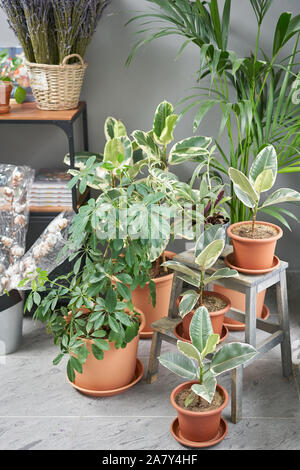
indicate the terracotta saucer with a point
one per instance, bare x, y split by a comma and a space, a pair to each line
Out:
179, 335
146, 334
222, 432
234, 325
139, 372
229, 260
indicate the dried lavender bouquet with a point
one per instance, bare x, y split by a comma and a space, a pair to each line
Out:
49, 30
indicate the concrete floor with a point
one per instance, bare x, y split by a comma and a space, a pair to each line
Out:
40, 410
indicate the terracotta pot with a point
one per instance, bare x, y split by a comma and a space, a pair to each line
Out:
198, 426
254, 254
5, 92
114, 371
238, 299
217, 318
141, 299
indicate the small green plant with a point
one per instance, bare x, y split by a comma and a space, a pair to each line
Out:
209, 247
262, 177
7, 69
192, 362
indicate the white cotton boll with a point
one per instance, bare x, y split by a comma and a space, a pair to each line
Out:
17, 251
51, 238
14, 281
20, 208
17, 177
28, 262
20, 220
8, 192
7, 242
2, 268
62, 223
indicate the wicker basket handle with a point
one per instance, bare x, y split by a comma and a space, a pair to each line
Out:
71, 56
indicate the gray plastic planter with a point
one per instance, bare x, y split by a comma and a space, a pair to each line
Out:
11, 322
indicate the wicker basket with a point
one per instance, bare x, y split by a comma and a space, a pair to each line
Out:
57, 87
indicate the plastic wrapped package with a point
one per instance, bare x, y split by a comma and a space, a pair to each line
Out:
15, 184
45, 254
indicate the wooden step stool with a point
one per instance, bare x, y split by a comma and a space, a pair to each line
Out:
250, 286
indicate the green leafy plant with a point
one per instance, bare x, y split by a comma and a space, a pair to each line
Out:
155, 142
96, 309
7, 68
208, 249
194, 361
262, 177
262, 110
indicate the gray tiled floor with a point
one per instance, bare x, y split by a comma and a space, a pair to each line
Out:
39, 409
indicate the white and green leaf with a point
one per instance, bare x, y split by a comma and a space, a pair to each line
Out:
188, 302
243, 188
200, 328
210, 254
179, 364
207, 390
231, 356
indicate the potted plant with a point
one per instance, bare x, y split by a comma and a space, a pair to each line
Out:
7, 84
148, 150
254, 242
200, 401
54, 35
208, 249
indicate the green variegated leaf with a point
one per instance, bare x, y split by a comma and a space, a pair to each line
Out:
214, 232
82, 157
281, 196
181, 268
243, 188
167, 134
265, 160
158, 246
114, 128
146, 142
188, 302
264, 181
189, 350
221, 274
114, 149
189, 280
179, 364
211, 344
200, 328
231, 356
189, 149
210, 254
207, 390
163, 111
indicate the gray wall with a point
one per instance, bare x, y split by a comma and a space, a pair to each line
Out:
132, 94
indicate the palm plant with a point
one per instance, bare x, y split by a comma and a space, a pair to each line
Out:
262, 110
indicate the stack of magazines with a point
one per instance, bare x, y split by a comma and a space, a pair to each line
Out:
49, 192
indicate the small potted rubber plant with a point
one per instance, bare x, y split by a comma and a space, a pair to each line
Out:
200, 401
208, 249
255, 241
7, 84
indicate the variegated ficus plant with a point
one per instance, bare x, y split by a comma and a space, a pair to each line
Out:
209, 247
192, 361
262, 177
